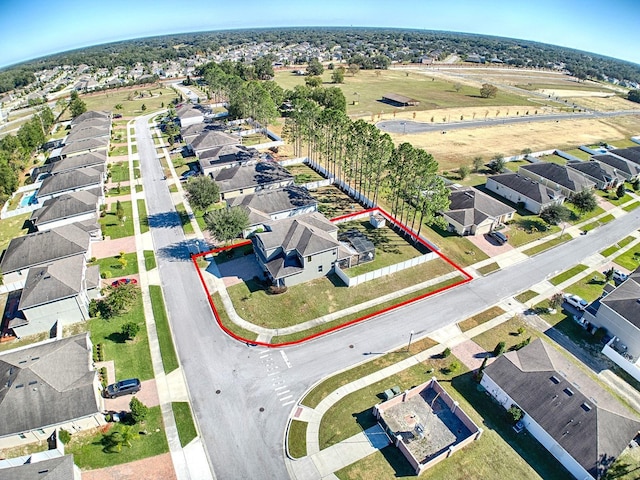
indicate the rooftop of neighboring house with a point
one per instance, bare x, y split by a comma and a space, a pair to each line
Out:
632, 154
573, 409
469, 206
47, 384
85, 145
264, 203
621, 164
188, 111
213, 138
89, 159
53, 281
66, 206
90, 115
226, 154
77, 133
251, 175
625, 299
70, 180
527, 187
597, 170
568, 178
55, 468
42, 247
190, 132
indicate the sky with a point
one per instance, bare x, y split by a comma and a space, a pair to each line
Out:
34, 28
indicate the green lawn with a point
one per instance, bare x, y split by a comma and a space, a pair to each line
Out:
112, 227
184, 219
614, 248
226, 321
630, 259
612, 198
11, 228
487, 269
149, 260
563, 277
132, 357
576, 152
458, 249
94, 449
117, 191
297, 439
130, 101
142, 215
332, 202
480, 318
119, 172
303, 174
431, 92
631, 206
505, 332
23, 341
165, 338
554, 159
528, 228
390, 247
547, 245
525, 296
184, 422
515, 165
254, 304
118, 151
111, 264
353, 413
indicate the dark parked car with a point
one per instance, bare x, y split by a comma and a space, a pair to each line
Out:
123, 387
499, 237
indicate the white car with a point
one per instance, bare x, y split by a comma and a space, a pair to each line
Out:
619, 276
576, 301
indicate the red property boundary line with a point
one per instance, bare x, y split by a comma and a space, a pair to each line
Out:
406, 230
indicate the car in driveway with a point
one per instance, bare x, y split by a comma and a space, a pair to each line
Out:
619, 276
188, 174
576, 302
499, 237
123, 387
123, 281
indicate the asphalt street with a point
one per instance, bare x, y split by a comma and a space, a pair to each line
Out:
242, 396
409, 127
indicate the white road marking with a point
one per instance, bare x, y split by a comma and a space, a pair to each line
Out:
280, 388
284, 357
274, 373
288, 403
285, 398
282, 393
265, 355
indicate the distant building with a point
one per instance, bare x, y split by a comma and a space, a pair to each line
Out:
472, 212
399, 100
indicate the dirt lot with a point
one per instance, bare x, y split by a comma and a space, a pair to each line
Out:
459, 147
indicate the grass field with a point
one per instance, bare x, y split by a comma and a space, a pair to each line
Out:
112, 227
480, 318
332, 202
142, 215
303, 174
630, 259
564, 276
297, 439
505, 332
165, 339
109, 99
114, 267
149, 260
11, 228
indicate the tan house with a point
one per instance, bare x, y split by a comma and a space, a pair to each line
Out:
251, 178
472, 212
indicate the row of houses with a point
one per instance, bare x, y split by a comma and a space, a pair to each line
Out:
537, 186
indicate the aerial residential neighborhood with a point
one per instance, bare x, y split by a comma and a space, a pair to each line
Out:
355, 256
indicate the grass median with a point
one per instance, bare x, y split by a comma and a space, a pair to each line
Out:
165, 339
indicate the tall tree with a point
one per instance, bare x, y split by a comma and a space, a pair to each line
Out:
253, 100
488, 91
228, 223
584, 201
337, 76
315, 67
202, 192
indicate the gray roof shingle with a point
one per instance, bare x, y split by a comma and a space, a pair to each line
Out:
264, 203
621, 164
469, 206
71, 180
91, 115
46, 385
625, 299
251, 175
85, 145
89, 159
53, 281
58, 468
42, 247
597, 170
212, 138
632, 154
573, 409
569, 178
527, 187
66, 206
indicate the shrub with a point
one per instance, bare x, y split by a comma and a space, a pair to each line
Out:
599, 334
500, 348
273, 290
94, 309
64, 436
130, 330
522, 344
106, 274
521, 330
138, 409
514, 413
446, 352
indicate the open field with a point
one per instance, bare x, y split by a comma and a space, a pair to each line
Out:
432, 92
604, 104
107, 100
11, 228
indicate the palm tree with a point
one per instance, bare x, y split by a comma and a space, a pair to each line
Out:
125, 435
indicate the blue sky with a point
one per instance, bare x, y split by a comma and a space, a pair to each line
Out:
33, 28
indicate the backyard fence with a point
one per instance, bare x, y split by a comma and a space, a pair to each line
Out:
388, 270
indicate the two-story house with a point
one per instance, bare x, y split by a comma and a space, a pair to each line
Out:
472, 212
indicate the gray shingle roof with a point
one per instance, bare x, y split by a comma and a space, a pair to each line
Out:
597, 170
578, 413
81, 132
66, 206
632, 154
264, 203
85, 145
42, 247
58, 468
625, 299
91, 115
188, 111
88, 159
70, 180
527, 187
306, 234
469, 206
46, 385
93, 122
217, 157
212, 138
190, 132
251, 175
568, 178
621, 164
53, 281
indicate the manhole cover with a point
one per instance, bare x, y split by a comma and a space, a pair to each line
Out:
350, 346
218, 392
262, 409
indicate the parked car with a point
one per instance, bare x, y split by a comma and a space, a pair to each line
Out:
499, 237
576, 302
619, 276
188, 174
123, 281
123, 387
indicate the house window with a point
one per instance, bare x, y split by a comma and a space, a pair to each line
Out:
22, 436
41, 431
309, 258
320, 268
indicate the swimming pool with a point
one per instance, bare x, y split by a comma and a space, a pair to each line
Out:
29, 199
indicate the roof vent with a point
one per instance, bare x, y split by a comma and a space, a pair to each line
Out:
35, 358
568, 391
586, 407
554, 379
33, 382
20, 385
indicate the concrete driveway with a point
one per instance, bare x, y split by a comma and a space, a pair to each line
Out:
148, 395
240, 269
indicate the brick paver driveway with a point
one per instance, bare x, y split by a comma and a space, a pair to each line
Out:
148, 395
159, 467
111, 248
488, 245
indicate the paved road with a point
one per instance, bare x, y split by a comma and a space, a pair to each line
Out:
409, 127
241, 395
